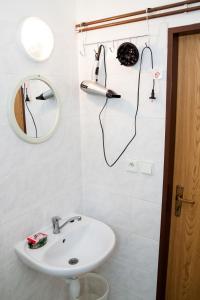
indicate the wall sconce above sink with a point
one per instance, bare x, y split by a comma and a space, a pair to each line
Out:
36, 38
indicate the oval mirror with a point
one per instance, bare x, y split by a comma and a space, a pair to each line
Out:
34, 110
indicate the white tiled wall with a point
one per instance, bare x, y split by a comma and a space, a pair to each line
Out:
36, 181
129, 202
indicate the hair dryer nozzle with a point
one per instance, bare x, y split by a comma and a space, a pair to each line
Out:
46, 95
111, 94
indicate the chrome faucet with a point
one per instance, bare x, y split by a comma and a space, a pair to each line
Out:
57, 227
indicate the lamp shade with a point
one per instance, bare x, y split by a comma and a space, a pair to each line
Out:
36, 38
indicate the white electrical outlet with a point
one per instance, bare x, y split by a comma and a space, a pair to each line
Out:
132, 166
145, 167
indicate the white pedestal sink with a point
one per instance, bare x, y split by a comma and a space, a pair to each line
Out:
81, 247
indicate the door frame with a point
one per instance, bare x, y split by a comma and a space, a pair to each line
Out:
171, 101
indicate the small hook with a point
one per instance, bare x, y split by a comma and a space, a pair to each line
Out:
112, 49
82, 52
98, 45
96, 50
135, 41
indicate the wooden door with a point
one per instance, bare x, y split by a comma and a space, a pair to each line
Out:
183, 275
20, 110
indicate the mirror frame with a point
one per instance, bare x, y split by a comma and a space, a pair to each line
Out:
12, 119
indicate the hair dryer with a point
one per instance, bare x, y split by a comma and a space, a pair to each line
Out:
46, 95
92, 87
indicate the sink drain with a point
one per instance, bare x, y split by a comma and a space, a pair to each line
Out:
73, 261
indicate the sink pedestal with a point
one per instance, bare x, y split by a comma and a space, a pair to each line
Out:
74, 288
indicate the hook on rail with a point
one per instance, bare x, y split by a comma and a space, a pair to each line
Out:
112, 49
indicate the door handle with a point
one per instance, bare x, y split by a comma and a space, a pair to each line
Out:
180, 200
186, 201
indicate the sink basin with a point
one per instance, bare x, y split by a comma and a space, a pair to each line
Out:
81, 247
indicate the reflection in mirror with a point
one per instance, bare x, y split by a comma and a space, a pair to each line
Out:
36, 108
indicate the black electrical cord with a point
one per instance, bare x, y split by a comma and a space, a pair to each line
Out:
27, 99
137, 107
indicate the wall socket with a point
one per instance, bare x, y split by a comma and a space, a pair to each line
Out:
144, 167
132, 166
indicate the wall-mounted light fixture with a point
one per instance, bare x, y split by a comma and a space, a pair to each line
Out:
36, 38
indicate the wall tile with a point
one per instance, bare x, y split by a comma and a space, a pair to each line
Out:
145, 219
52, 178
129, 202
37, 181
